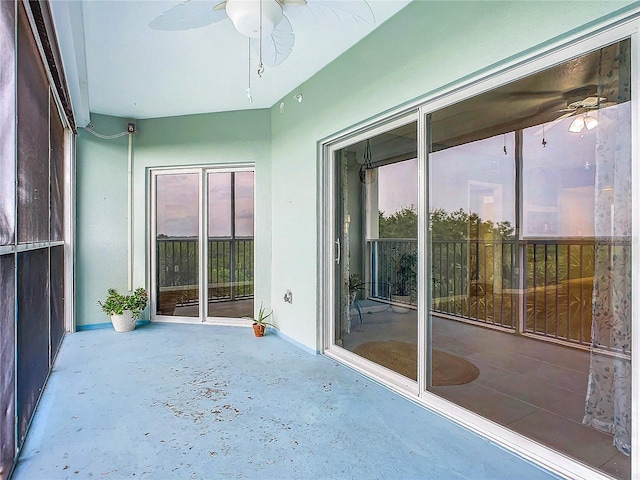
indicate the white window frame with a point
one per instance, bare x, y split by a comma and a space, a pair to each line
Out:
203, 227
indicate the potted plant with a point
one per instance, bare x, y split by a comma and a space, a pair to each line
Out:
354, 286
260, 323
404, 282
124, 310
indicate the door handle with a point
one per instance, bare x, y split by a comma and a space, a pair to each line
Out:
337, 259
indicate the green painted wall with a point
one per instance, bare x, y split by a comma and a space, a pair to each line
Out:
101, 218
208, 139
428, 47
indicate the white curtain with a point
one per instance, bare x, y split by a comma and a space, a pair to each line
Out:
608, 400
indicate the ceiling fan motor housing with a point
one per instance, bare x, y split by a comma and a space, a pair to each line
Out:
245, 15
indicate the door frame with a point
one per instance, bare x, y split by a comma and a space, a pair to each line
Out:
329, 269
203, 227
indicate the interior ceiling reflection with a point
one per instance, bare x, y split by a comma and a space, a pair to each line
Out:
538, 99
393, 146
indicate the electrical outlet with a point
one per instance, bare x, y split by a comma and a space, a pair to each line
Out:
288, 296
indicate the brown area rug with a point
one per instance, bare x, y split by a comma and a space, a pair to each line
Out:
402, 357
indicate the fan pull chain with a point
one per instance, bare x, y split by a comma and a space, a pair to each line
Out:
249, 96
544, 142
504, 143
260, 65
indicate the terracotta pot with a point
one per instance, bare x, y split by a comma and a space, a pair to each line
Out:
258, 330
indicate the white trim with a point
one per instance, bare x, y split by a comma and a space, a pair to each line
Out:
203, 194
203, 257
424, 260
70, 230
130, 213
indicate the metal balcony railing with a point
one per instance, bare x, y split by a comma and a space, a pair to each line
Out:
479, 280
229, 269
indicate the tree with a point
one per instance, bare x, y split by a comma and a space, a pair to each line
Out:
402, 224
456, 225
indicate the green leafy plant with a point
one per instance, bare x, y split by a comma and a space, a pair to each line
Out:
262, 317
116, 303
355, 284
404, 281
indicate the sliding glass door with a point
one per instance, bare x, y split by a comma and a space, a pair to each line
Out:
524, 258
178, 244
203, 249
376, 249
230, 244
530, 207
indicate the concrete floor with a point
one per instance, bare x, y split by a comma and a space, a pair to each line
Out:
202, 402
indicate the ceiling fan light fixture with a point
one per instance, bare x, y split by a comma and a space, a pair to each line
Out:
590, 122
577, 125
245, 16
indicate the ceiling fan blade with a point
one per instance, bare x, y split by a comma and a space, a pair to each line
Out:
563, 116
292, 3
549, 126
344, 11
277, 46
188, 15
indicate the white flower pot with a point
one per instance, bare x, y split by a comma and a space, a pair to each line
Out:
124, 322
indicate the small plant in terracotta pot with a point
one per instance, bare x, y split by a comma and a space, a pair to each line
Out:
260, 323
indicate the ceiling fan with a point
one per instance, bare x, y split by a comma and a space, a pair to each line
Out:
580, 101
251, 17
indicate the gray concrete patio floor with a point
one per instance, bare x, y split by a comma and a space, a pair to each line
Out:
207, 402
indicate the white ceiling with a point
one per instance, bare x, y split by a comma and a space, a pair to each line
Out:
134, 71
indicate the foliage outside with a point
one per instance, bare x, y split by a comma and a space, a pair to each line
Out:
116, 303
178, 267
456, 225
474, 272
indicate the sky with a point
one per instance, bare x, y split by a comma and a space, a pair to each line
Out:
559, 188
177, 204
397, 186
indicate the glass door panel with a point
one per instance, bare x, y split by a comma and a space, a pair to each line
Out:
376, 277
530, 217
177, 244
230, 244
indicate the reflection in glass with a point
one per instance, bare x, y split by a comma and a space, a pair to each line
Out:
230, 244
377, 276
177, 224
472, 229
530, 225
220, 205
